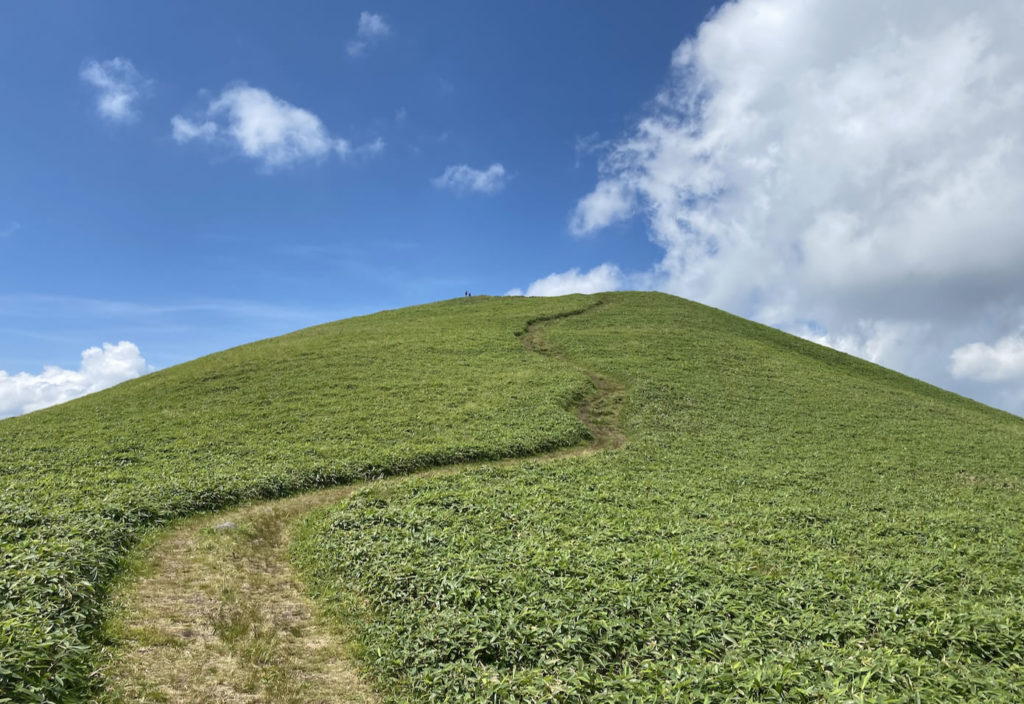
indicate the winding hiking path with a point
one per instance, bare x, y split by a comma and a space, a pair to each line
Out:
213, 612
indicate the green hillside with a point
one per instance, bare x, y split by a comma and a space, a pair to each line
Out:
785, 522
388, 393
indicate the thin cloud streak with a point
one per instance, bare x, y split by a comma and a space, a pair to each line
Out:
30, 305
462, 178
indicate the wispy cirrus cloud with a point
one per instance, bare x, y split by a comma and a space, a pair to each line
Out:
100, 368
185, 130
370, 149
371, 29
266, 128
462, 178
119, 86
36, 305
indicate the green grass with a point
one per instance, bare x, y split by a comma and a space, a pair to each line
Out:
393, 392
786, 523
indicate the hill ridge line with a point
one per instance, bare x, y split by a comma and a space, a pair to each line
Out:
212, 611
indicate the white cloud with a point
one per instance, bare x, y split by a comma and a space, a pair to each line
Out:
119, 84
874, 340
265, 128
373, 148
463, 179
185, 130
372, 28
273, 130
589, 144
9, 230
100, 368
854, 164
605, 277
608, 203
1002, 361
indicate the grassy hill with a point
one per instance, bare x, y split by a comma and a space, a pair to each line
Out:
784, 523
82, 482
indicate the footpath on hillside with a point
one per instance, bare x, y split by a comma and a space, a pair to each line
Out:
212, 611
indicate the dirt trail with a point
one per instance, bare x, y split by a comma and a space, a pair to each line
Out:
215, 612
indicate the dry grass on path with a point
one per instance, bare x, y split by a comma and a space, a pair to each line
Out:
217, 615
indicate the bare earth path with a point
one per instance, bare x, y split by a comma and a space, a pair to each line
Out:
213, 612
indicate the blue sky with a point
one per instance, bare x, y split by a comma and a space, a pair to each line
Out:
188, 177
119, 232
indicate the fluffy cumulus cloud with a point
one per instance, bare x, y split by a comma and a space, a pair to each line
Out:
605, 277
100, 368
1002, 361
372, 29
465, 179
848, 171
119, 86
608, 203
266, 128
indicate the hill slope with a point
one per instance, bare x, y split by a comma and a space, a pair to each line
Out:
392, 392
785, 523
784, 520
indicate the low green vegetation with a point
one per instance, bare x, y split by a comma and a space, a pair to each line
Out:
389, 393
785, 523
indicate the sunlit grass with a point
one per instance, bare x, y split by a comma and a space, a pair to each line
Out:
372, 396
786, 523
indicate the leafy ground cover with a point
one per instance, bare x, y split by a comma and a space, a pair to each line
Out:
212, 610
389, 393
785, 523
